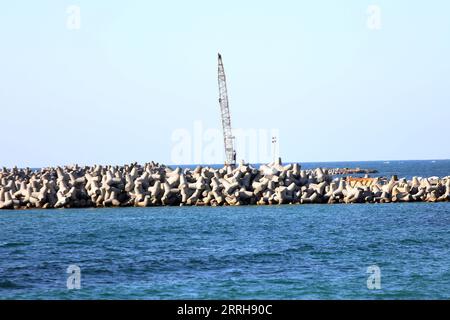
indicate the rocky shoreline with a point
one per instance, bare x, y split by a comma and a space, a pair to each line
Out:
153, 184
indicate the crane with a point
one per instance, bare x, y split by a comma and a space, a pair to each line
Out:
230, 153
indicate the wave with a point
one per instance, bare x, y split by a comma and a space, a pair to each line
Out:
13, 244
8, 284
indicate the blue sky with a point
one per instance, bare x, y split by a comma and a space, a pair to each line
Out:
115, 90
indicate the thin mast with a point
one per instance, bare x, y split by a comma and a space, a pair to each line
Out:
230, 154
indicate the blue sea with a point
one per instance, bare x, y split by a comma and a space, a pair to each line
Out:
249, 252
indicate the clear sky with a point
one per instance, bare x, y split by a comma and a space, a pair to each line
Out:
137, 74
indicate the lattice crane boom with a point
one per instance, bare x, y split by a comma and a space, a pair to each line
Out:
230, 154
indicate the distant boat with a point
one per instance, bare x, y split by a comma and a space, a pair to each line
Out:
387, 162
433, 161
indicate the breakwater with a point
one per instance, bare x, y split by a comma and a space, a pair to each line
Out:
153, 184
337, 171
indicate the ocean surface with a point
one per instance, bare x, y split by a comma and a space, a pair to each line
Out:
250, 252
